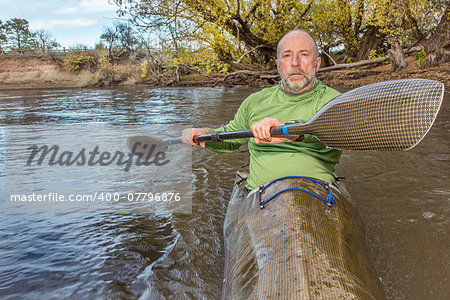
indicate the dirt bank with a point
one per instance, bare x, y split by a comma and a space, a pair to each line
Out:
23, 72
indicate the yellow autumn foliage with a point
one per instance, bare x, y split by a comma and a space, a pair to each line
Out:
248, 30
77, 60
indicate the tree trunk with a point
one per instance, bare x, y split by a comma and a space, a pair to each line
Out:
246, 35
397, 57
437, 47
237, 27
226, 57
372, 40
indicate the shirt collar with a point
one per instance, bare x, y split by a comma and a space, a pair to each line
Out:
281, 87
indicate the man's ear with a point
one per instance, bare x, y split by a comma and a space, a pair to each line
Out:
276, 62
319, 60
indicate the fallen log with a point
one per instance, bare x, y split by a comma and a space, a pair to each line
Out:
367, 61
269, 75
261, 74
356, 64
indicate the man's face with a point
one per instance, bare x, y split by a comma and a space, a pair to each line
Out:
297, 62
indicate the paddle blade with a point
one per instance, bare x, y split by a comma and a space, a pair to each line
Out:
386, 116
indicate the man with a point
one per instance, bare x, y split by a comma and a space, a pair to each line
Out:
299, 96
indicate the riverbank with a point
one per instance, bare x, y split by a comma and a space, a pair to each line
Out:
32, 72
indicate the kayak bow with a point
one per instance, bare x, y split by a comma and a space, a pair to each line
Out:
297, 247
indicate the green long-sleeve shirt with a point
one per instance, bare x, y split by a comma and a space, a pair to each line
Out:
309, 157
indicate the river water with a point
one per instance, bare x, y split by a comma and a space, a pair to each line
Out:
403, 199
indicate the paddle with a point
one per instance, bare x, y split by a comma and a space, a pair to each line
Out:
386, 116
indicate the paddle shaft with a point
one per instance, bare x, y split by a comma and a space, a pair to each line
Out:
241, 134
223, 136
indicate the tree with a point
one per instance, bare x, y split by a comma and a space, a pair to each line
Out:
44, 40
435, 35
349, 23
18, 33
126, 37
412, 22
358, 35
253, 27
120, 37
109, 36
3, 37
232, 28
248, 30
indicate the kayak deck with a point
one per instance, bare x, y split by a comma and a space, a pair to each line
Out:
296, 247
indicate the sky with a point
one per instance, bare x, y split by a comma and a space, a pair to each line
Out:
71, 22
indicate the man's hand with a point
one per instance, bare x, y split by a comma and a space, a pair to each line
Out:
261, 131
187, 136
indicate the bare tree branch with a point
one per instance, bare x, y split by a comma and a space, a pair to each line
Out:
329, 56
248, 52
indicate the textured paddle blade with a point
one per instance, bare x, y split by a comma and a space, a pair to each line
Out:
386, 116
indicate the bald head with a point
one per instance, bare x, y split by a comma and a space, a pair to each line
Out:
298, 33
297, 61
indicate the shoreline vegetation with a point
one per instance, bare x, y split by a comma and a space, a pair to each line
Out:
230, 43
88, 68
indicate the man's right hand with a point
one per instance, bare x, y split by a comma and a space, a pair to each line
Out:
187, 136
261, 132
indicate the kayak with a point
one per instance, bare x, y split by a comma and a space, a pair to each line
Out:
296, 238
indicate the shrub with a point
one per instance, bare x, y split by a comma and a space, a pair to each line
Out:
204, 61
420, 56
373, 54
92, 80
144, 69
104, 62
77, 60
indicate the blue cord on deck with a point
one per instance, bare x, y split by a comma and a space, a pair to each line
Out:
330, 200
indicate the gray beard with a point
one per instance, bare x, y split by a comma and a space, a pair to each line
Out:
297, 87
307, 80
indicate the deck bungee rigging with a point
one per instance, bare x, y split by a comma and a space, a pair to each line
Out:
330, 200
